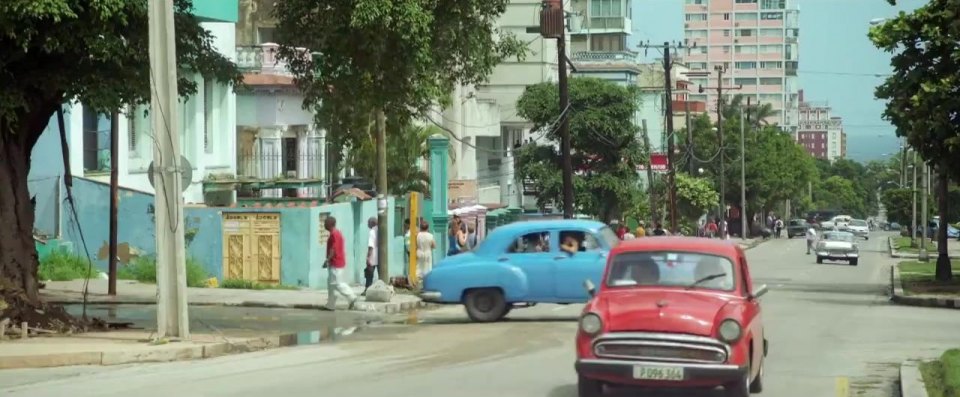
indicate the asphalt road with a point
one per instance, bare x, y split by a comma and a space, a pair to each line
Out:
831, 328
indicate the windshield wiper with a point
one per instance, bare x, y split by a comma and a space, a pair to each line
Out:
705, 279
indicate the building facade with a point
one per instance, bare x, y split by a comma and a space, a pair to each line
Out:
207, 121
819, 132
755, 43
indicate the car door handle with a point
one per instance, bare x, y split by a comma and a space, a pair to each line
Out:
503, 259
559, 257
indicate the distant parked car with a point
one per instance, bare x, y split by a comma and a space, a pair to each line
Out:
673, 313
892, 226
797, 227
859, 228
522, 263
838, 246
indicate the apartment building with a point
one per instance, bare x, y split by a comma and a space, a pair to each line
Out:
755, 43
820, 132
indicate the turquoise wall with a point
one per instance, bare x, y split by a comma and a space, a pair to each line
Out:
217, 10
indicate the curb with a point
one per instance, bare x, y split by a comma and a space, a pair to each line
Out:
151, 356
897, 295
388, 308
902, 255
911, 381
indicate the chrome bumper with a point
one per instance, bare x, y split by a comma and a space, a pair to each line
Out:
430, 296
605, 368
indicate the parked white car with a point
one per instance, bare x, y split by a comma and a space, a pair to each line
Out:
839, 221
859, 228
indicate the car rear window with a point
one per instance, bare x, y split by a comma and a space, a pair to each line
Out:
671, 269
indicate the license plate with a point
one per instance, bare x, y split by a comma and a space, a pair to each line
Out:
657, 373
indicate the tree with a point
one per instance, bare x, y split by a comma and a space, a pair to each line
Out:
695, 197
606, 150
899, 206
838, 192
55, 51
921, 94
407, 146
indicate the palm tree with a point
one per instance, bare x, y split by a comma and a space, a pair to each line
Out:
759, 113
406, 147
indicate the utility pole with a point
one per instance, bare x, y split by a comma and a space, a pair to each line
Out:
924, 256
743, 176
671, 169
686, 110
383, 231
114, 198
723, 188
913, 222
172, 318
553, 25
646, 144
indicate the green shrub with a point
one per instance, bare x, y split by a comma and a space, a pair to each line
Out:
144, 270
63, 265
234, 283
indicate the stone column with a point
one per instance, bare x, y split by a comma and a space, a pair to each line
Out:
308, 160
439, 145
271, 157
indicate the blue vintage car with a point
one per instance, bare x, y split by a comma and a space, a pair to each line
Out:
523, 263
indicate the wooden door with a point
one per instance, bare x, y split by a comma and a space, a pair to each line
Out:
251, 246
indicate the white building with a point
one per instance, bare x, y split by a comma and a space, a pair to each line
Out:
206, 122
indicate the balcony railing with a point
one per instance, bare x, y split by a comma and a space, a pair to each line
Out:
263, 59
607, 23
605, 56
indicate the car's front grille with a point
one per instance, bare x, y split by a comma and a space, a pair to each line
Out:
661, 347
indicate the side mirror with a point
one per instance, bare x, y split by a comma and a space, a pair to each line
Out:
759, 291
591, 289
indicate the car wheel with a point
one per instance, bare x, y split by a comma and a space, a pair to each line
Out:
740, 388
819, 260
853, 262
587, 387
485, 305
757, 385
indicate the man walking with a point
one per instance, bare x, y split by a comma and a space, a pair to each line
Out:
371, 254
811, 238
335, 264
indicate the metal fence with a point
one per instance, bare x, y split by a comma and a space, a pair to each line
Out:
270, 166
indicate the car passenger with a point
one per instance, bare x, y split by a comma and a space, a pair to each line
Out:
569, 243
646, 272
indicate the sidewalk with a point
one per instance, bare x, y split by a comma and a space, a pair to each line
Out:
953, 250
132, 292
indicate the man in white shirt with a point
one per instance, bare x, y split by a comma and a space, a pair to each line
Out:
811, 237
372, 263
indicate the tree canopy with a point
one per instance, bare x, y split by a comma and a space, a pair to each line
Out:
407, 146
695, 197
56, 51
604, 139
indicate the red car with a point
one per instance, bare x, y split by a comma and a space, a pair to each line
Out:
673, 312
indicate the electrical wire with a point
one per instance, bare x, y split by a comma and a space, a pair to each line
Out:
555, 126
174, 223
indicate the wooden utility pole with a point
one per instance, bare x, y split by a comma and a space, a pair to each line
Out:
654, 214
114, 198
671, 169
383, 229
743, 174
553, 25
722, 177
172, 318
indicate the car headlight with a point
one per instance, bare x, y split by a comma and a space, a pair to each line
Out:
591, 324
729, 331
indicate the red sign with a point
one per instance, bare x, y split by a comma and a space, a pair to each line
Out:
658, 163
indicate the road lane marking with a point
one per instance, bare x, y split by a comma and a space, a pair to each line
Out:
843, 387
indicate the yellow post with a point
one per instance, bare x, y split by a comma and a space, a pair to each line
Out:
414, 228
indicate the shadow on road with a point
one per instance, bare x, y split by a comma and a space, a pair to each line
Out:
571, 391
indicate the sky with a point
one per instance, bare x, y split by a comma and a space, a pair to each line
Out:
837, 61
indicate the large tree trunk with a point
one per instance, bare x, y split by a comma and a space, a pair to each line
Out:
19, 287
944, 271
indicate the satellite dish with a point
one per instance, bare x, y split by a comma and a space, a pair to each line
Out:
186, 175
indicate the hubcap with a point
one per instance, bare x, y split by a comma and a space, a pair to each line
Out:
485, 302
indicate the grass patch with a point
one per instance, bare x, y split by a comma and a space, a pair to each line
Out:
902, 244
942, 377
63, 265
144, 270
917, 279
234, 283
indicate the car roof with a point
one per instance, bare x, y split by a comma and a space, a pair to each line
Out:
522, 226
695, 244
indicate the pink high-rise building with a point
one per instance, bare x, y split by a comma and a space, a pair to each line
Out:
755, 42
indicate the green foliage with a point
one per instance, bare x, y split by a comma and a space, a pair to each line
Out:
144, 270
838, 192
695, 196
606, 151
899, 206
63, 265
401, 57
407, 146
234, 283
942, 377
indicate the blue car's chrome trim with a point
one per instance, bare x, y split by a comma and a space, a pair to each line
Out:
430, 296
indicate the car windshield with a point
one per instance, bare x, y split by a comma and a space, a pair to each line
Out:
797, 222
607, 234
671, 269
858, 222
839, 236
